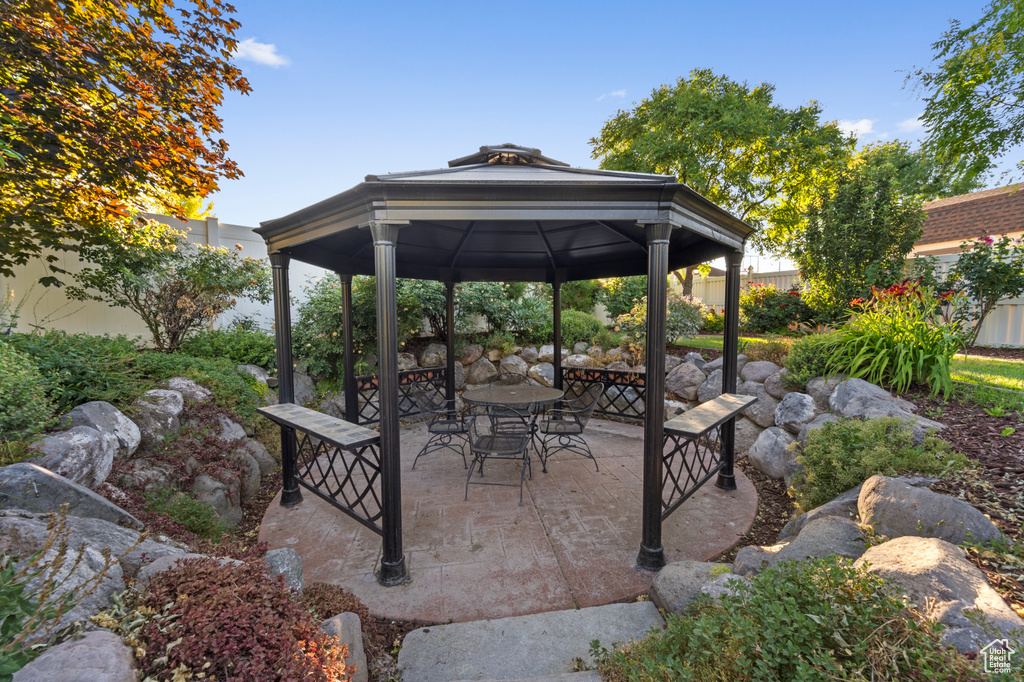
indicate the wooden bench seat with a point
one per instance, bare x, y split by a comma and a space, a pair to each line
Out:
695, 423
338, 432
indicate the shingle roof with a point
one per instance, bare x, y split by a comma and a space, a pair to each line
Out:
979, 214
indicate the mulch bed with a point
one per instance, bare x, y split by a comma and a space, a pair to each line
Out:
1001, 353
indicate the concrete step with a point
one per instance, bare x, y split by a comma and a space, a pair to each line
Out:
539, 648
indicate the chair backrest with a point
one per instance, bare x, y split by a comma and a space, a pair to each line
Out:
497, 429
585, 404
508, 379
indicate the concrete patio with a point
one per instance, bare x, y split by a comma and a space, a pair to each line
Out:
572, 544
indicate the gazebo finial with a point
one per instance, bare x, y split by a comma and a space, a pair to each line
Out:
507, 154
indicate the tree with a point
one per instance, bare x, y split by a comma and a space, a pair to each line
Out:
732, 144
917, 172
175, 291
103, 106
857, 235
988, 271
974, 111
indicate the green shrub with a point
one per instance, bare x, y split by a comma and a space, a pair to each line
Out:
530, 320
898, 338
607, 339
684, 315
238, 344
25, 408
763, 308
580, 295
619, 294
503, 341
841, 455
771, 348
490, 300
578, 326
195, 516
712, 322
820, 619
809, 357
80, 368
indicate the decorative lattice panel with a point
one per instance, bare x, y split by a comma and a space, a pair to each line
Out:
368, 390
348, 479
688, 463
625, 392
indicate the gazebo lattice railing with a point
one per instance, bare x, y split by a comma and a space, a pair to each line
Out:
505, 213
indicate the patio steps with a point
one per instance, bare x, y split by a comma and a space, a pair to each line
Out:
542, 647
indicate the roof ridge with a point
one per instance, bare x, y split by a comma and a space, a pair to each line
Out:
972, 196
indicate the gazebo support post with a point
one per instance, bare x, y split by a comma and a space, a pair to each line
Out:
392, 563
290, 493
449, 312
730, 349
556, 315
349, 381
652, 554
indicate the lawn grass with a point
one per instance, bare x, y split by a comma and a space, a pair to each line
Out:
988, 372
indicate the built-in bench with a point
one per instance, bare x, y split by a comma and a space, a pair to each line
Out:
336, 460
692, 456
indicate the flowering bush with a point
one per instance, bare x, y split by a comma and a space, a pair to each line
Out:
685, 314
902, 335
988, 271
763, 308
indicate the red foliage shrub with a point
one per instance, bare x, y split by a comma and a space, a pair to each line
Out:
233, 623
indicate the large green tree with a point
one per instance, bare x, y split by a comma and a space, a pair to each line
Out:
104, 105
974, 91
732, 143
917, 172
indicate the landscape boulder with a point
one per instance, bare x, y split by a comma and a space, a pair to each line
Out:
723, 585
719, 363
434, 355
264, 459
761, 412
580, 347
815, 424
349, 631
895, 509
547, 353
99, 656
747, 433
770, 453
32, 488
106, 418
156, 414
678, 584
820, 538
460, 376
758, 371
305, 389
684, 381
945, 586
529, 354
480, 372
406, 361
795, 410
711, 388
671, 362
286, 562
473, 352
223, 493
81, 454
147, 474
821, 388
543, 374
494, 355
579, 360
189, 389
513, 364
254, 371
778, 387
843, 506
695, 359
166, 563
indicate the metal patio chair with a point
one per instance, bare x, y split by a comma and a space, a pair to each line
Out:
497, 432
444, 424
508, 379
562, 426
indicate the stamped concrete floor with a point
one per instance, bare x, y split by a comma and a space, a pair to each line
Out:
572, 544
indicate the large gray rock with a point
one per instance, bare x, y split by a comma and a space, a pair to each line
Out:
671, 362
349, 631
684, 380
821, 388
264, 459
547, 353
711, 388
473, 352
761, 412
944, 585
333, 404
815, 424
770, 453
493, 649
795, 410
480, 372
32, 488
223, 495
513, 364
250, 473
148, 475
758, 371
287, 562
777, 386
696, 359
100, 656
254, 371
156, 413
543, 374
819, 538
843, 506
747, 433
229, 430
305, 389
723, 585
406, 361
23, 534
434, 355
460, 376
81, 454
166, 563
678, 584
674, 408
530, 354
579, 360
106, 418
853, 391
718, 363
189, 389
618, 366
896, 508
580, 347
494, 355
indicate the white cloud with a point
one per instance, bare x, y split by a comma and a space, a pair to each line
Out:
865, 126
911, 125
261, 53
614, 93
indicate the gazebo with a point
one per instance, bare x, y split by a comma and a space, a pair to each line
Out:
504, 213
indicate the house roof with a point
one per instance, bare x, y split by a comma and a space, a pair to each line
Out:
978, 214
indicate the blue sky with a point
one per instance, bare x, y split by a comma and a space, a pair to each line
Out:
345, 89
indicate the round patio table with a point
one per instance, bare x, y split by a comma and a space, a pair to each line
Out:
522, 397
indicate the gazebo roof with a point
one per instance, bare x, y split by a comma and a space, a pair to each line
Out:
508, 213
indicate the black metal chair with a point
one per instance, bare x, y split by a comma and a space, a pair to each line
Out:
444, 423
562, 426
508, 379
497, 432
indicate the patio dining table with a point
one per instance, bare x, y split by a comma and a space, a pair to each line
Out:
523, 398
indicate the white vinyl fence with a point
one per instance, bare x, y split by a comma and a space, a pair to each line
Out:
1003, 327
